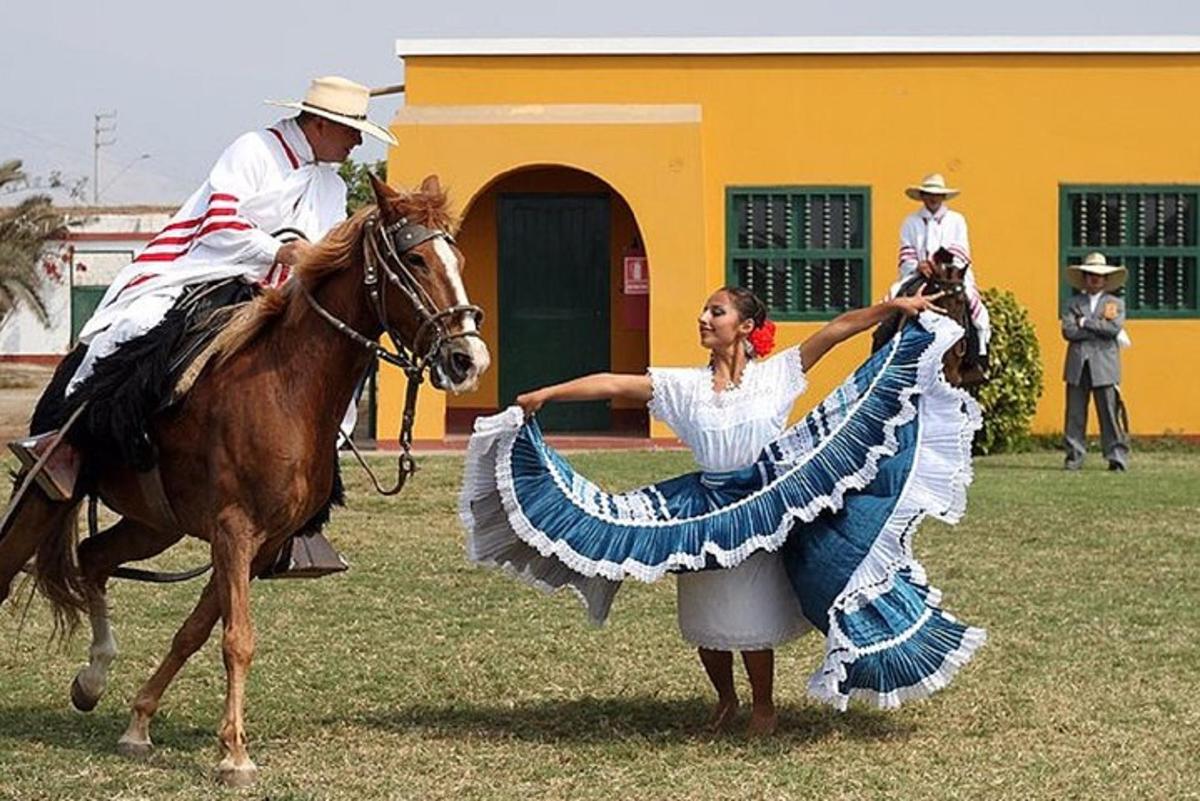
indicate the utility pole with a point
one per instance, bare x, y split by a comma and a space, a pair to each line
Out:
99, 142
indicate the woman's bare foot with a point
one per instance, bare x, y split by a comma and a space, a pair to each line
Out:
723, 715
763, 722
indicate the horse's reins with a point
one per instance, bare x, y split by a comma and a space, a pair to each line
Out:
396, 240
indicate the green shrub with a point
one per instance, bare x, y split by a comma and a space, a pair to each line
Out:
1009, 399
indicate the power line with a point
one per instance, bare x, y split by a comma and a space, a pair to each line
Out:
97, 143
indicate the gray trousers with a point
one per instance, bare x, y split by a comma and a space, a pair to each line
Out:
1114, 439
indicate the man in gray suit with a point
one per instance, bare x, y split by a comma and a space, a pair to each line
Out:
1091, 324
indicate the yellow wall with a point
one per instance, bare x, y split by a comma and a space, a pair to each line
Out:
1008, 129
655, 168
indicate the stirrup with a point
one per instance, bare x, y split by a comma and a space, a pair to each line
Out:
307, 555
60, 469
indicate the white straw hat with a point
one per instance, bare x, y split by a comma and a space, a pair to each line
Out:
340, 100
933, 184
1096, 264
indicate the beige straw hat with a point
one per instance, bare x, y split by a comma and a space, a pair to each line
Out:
1095, 263
933, 184
340, 100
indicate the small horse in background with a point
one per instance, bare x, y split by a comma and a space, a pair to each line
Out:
962, 364
247, 457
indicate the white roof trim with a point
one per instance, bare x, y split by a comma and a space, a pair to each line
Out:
766, 45
558, 114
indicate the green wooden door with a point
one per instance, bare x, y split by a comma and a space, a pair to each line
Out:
84, 300
553, 295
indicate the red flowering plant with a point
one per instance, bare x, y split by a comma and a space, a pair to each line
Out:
762, 338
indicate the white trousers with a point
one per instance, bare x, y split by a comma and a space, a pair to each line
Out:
140, 316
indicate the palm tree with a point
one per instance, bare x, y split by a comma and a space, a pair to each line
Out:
24, 232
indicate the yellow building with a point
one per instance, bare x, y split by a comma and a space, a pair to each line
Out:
781, 163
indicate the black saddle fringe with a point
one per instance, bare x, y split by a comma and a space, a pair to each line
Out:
127, 387
130, 386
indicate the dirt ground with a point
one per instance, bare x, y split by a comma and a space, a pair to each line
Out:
20, 386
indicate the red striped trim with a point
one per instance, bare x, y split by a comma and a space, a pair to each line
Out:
214, 198
234, 225
291, 156
183, 240
271, 280
160, 256
141, 279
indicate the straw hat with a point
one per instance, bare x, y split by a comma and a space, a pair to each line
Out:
342, 101
1096, 264
933, 184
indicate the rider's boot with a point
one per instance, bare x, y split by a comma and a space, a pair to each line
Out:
60, 463
306, 555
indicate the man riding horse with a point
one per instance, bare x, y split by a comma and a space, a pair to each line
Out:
281, 178
933, 228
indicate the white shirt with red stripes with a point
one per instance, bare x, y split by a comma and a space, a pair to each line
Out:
265, 181
923, 233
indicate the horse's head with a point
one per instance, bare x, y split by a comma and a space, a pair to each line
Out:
422, 301
950, 279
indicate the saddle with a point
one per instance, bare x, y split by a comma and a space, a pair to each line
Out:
112, 408
111, 412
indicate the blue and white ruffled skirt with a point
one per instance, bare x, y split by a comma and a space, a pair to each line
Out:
840, 495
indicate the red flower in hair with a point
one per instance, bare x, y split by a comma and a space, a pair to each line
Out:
762, 338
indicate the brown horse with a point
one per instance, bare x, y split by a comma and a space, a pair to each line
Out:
248, 457
959, 364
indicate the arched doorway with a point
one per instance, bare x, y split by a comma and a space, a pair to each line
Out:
545, 248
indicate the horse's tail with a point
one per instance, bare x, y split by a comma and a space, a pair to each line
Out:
35, 525
56, 569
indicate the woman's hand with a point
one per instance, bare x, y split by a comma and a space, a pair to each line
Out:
530, 402
915, 304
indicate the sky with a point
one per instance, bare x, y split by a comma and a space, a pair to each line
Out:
186, 79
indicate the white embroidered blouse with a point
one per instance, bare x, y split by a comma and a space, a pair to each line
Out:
727, 430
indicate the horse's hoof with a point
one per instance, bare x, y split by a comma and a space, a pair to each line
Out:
241, 776
83, 701
131, 749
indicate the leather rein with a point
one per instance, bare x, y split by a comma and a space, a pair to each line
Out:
384, 249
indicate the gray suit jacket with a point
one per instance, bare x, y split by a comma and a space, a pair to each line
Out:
1094, 341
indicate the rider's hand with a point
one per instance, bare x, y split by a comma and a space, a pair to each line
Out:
291, 253
914, 305
530, 402
925, 268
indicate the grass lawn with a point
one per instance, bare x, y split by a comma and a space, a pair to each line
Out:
417, 676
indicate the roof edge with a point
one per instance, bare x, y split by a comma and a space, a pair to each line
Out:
782, 45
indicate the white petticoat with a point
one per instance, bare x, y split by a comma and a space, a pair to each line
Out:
747, 608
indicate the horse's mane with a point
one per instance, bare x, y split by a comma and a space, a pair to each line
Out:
339, 249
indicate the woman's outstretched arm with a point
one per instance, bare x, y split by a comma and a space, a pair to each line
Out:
598, 386
849, 323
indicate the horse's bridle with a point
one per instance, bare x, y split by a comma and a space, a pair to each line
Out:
384, 248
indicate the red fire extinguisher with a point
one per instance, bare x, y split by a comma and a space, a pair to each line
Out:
635, 287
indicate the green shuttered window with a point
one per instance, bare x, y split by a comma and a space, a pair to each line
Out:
1151, 230
803, 250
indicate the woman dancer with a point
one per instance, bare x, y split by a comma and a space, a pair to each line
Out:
729, 413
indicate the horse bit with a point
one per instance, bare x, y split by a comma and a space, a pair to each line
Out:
384, 249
